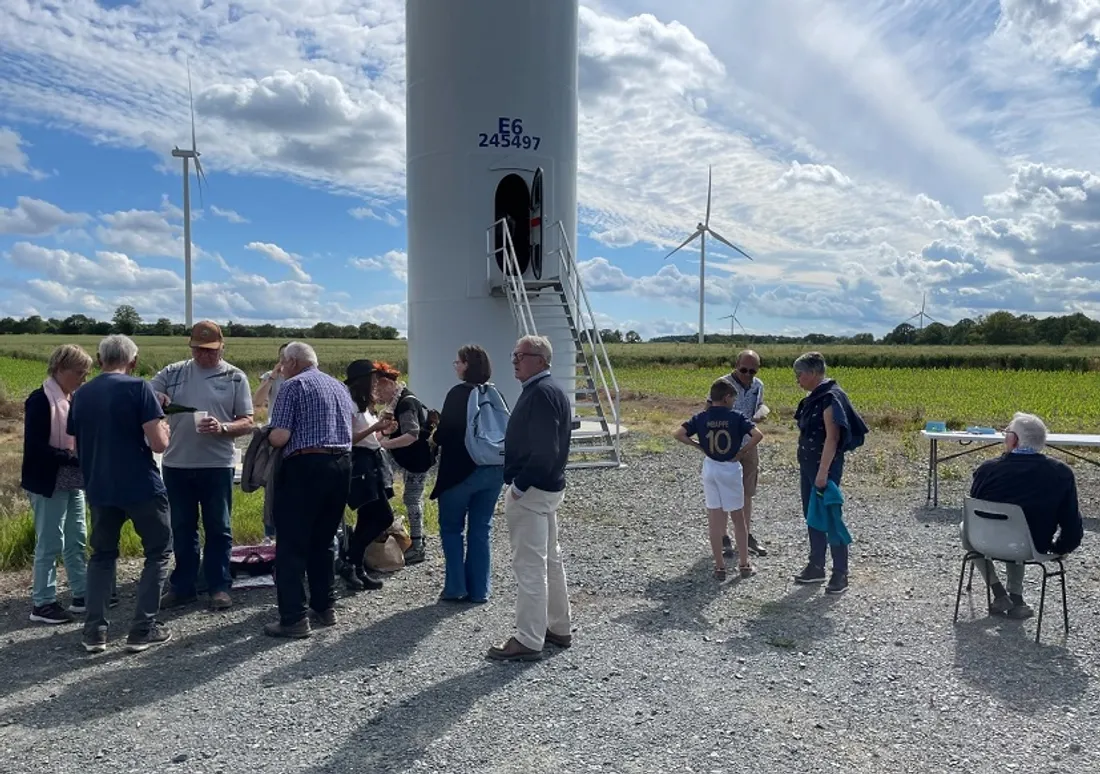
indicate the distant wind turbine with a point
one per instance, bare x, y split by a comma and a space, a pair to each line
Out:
734, 321
921, 316
701, 231
200, 178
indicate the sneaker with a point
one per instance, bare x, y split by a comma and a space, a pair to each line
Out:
52, 613
812, 574
156, 634
755, 548
370, 582
416, 553
1000, 605
347, 572
838, 583
324, 617
727, 547
94, 642
175, 599
296, 631
221, 601
1020, 609
77, 606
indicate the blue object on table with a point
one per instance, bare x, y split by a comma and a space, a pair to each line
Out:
981, 430
935, 427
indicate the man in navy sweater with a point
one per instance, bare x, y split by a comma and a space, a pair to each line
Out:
1046, 491
536, 448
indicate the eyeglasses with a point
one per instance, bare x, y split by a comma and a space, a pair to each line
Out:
747, 371
518, 356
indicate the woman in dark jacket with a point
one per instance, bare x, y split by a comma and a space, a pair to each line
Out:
51, 477
371, 477
466, 492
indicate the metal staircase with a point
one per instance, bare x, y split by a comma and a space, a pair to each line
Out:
547, 307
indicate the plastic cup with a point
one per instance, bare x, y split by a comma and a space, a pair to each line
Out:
199, 416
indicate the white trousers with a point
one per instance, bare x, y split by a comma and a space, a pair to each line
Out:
542, 599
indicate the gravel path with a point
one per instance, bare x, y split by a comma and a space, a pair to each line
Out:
669, 671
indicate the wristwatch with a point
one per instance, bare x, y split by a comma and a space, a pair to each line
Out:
224, 427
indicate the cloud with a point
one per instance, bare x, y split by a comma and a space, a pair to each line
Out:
364, 213
814, 175
34, 217
619, 236
395, 262
12, 156
107, 271
230, 215
142, 232
279, 255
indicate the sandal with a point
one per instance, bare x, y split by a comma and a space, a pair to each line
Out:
747, 571
720, 573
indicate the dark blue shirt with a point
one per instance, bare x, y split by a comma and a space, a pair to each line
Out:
720, 431
106, 418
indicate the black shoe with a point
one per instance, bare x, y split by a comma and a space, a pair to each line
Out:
727, 547
52, 613
347, 572
838, 583
755, 548
156, 634
78, 606
368, 581
95, 642
415, 553
812, 574
114, 600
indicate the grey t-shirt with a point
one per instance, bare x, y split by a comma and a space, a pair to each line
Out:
222, 392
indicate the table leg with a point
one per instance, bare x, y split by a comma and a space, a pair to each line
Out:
935, 473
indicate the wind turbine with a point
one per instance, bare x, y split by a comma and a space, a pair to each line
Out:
701, 231
921, 315
734, 321
200, 177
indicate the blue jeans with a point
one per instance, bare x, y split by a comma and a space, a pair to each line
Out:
210, 489
59, 528
468, 566
819, 540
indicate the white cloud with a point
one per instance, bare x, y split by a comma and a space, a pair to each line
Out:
396, 262
141, 232
231, 215
34, 217
619, 236
365, 213
813, 174
107, 271
279, 255
12, 155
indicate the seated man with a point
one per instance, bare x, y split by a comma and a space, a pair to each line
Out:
1046, 491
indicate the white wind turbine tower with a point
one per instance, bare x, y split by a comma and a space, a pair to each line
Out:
921, 316
734, 321
701, 231
200, 176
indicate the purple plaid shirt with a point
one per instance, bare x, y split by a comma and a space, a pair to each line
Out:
316, 409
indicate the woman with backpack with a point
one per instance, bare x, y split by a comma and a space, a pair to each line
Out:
409, 447
467, 491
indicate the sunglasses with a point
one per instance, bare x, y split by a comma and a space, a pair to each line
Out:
747, 371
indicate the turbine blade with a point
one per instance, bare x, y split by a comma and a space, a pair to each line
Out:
735, 308
728, 243
200, 178
706, 221
684, 243
191, 102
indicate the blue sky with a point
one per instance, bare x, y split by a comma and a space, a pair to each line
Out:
864, 153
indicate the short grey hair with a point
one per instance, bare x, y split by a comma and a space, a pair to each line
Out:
540, 345
1029, 429
116, 351
300, 351
746, 353
810, 363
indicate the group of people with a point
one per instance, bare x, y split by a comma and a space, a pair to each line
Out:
329, 445
326, 449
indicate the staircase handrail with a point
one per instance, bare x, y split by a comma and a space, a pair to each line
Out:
511, 274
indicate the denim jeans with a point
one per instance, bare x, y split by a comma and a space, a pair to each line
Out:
210, 489
469, 506
819, 540
152, 524
59, 528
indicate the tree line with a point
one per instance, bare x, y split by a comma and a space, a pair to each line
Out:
126, 320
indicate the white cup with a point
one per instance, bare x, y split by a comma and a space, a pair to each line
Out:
199, 416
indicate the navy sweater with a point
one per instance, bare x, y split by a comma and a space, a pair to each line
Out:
536, 445
40, 460
1046, 491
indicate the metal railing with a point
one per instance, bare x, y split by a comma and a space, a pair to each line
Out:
516, 291
570, 278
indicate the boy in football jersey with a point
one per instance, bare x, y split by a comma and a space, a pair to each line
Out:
720, 431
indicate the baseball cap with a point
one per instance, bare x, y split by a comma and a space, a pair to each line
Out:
357, 369
206, 335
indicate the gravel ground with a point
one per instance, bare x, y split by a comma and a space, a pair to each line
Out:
669, 671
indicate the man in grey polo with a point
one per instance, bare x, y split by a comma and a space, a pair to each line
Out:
198, 466
749, 400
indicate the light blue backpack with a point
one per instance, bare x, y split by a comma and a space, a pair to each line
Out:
486, 423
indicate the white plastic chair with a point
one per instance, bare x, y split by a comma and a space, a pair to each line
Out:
999, 531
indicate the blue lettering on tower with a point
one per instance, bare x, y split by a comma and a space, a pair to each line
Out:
509, 134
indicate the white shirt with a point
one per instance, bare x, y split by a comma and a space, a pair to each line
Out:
361, 422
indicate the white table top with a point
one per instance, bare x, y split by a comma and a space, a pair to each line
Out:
1053, 439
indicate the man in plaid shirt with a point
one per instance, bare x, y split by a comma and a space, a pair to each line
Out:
311, 423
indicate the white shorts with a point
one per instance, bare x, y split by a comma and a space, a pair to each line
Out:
723, 485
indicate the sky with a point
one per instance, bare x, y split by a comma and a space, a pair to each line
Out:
865, 153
